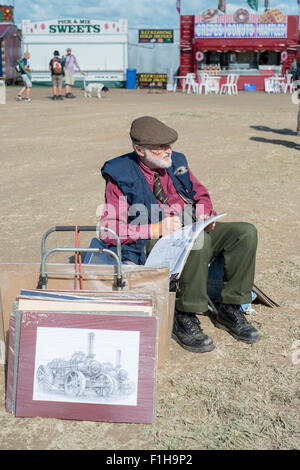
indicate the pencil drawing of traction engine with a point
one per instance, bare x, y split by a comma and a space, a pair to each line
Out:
82, 375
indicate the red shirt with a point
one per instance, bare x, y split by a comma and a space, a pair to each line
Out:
115, 209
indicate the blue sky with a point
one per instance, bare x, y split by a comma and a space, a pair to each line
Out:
140, 13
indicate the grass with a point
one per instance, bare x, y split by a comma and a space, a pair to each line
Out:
231, 408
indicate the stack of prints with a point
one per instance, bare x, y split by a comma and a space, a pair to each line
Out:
83, 356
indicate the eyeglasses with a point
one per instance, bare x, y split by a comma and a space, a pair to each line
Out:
157, 149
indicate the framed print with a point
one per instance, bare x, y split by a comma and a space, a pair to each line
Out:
85, 366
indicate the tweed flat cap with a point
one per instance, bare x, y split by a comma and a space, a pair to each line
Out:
148, 130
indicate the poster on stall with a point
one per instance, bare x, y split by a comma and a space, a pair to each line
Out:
152, 80
241, 24
156, 35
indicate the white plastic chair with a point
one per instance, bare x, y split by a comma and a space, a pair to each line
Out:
214, 85
288, 84
190, 83
231, 85
277, 83
269, 86
234, 84
204, 84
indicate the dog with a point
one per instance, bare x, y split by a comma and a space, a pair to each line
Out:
98, 87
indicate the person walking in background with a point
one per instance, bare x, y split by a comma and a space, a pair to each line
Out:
57, 71
70, 63
25, 71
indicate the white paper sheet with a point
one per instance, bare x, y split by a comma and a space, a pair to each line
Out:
173, 249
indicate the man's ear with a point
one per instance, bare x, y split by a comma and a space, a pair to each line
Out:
139, 150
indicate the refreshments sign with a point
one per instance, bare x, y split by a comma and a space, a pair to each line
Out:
242, 24
156, 35
156, 80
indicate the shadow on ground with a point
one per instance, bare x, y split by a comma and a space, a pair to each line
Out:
276, 131
285, 143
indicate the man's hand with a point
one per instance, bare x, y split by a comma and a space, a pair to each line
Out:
169, 225
210, 227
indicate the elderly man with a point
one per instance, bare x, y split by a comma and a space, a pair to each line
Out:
70, 62
153, 176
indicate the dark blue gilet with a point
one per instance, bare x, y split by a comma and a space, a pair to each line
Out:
125, 171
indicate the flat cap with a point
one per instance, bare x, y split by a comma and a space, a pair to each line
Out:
148, 130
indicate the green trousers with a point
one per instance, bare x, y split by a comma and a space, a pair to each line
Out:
237, 241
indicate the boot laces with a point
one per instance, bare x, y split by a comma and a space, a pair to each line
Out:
193, 324
238, 315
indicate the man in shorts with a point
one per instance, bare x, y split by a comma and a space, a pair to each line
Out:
26, 77
57, 70
70, 63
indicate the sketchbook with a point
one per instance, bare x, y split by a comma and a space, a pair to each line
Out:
172, 250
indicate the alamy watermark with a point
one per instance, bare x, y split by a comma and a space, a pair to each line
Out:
131, 222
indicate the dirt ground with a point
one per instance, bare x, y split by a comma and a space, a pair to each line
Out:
245, 150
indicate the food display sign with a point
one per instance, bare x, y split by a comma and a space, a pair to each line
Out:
6, 13
156, 35
155, 80
241, 24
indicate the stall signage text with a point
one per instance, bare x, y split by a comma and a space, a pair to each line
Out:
74, 26
224, 26
156, 35
157, 80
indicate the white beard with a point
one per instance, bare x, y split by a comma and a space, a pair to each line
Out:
152, 161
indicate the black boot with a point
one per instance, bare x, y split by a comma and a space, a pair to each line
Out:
230, 318
188, 333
